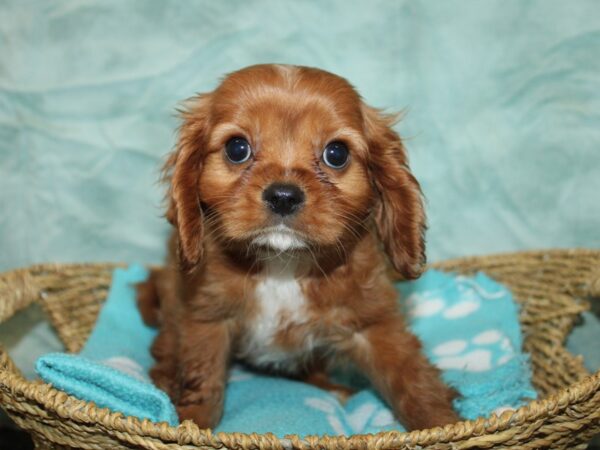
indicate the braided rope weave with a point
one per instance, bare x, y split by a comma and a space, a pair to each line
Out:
553, 288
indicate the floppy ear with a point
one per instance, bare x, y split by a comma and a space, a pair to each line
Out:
399, 214
182, 172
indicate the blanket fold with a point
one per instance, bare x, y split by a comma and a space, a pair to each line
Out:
112, 368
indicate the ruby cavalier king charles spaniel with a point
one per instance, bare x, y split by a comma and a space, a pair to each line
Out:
290, 199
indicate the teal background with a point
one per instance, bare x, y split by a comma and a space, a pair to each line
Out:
502, 102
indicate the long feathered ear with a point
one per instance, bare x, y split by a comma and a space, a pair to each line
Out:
399, 213
182, 172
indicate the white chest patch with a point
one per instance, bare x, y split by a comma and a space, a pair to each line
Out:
280, 303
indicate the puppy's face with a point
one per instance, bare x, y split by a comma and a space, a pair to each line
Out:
285, 164
289, 158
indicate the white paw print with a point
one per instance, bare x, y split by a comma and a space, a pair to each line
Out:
330, 407
450, 348
367, 414
359, 418
468, 304
451, 354
419, 306
429, 303
487, 337
461, 309
384, 418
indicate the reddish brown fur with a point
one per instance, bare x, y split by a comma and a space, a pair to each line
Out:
207, 288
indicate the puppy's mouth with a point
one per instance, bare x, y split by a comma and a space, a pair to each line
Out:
279, 237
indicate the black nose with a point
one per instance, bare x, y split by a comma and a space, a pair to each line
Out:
283, 199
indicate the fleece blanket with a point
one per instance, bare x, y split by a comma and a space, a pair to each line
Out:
469, 328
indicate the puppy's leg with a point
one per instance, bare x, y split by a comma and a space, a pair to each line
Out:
148, 299
160, 305
164, 371
391, 358
203, 363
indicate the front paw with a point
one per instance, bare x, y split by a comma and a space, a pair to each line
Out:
202, 414
164, 379
439, 418
431, 409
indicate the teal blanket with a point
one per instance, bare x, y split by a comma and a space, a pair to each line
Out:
469, 328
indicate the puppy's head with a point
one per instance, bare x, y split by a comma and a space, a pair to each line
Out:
290, 158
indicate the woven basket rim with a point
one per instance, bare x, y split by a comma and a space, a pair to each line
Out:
83, 411
189, 433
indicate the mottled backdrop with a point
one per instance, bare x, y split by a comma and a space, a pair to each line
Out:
502, 102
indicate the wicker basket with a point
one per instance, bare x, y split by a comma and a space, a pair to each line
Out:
552, 287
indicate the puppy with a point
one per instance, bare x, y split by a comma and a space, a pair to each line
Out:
289, 197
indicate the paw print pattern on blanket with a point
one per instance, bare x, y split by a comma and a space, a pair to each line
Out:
461, 310
468, 329
333, 412
487, 349
367, 413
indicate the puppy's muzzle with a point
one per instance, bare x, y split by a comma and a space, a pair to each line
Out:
283, 199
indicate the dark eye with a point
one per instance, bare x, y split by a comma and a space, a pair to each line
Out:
238, 150
335, 155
